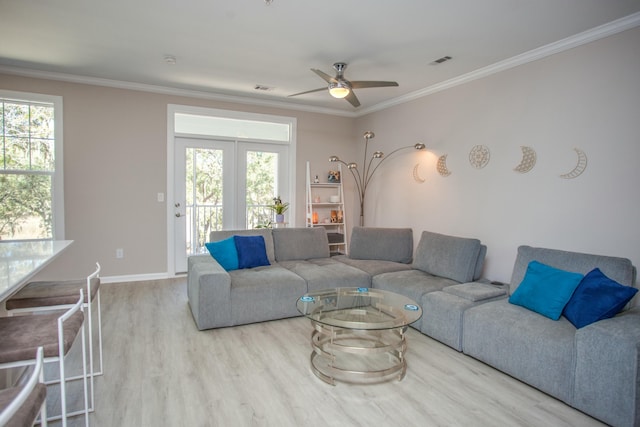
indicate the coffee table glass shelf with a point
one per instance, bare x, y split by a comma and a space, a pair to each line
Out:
358, 333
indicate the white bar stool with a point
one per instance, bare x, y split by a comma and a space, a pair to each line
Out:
20, 336
62, 294
20, 406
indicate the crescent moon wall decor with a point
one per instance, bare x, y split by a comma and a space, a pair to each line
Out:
416, 176
528, 160
580, 166
442, 166
479, 156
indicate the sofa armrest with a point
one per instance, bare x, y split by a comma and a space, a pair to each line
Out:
607, 377
209, 292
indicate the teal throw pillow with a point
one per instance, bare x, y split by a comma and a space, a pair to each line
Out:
597, 297
252, 251
545, 289
225, 252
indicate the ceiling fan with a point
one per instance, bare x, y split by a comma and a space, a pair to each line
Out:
339, 87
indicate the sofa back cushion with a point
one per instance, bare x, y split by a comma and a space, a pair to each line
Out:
386, 244
619, 269
300, 243
451, 257
216, 236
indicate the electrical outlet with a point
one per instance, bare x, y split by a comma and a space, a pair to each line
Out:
119, 253
161, 197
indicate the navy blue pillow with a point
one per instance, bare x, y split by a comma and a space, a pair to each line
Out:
252, 251
597, 297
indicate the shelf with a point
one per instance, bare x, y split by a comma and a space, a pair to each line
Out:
326, 184
324, 192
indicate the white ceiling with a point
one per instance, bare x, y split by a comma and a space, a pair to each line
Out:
227, 47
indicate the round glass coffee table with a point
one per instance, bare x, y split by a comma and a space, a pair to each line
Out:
358, 333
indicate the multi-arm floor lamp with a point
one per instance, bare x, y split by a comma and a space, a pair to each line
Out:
368, 169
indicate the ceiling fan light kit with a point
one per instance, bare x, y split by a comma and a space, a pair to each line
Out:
341, 88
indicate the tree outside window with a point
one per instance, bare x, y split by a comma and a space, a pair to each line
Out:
27, 166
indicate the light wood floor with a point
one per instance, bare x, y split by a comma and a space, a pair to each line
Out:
161, 371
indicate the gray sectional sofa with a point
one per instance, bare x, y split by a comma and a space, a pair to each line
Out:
594, 368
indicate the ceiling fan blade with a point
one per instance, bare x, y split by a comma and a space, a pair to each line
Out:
366, 84
326, 77
353, 99
309, 91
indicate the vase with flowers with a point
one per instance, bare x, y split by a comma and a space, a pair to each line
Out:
279, 208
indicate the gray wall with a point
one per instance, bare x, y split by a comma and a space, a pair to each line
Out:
587, 97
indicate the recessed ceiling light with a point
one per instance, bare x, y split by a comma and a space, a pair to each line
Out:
170, 59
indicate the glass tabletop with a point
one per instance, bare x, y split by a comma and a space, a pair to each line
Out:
359, 308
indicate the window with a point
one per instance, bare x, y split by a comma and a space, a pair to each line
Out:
31, 196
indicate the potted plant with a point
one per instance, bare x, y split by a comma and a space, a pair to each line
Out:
279, 208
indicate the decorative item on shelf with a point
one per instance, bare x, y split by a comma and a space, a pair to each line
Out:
334, 199
340, 217
314, 218
363, 178
279, 208
333, 176
334, 216
316, 180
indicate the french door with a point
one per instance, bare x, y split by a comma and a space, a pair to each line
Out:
222, 184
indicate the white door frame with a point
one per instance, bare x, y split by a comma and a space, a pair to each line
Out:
172, 109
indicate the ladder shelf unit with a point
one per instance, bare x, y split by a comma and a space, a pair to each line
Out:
325, 208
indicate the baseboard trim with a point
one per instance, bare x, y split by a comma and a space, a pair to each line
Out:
137, 277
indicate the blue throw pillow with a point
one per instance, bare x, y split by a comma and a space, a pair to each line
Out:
597, 297
545, 289
252, 251
224, 251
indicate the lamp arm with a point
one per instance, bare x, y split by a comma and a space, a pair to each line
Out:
357, 178
383, 159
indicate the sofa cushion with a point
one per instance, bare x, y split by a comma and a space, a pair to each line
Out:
521, 343
324, 273
388, 244
452, 257
373, 267
264, 293
300, 243
619, 269
251, 251
410, 283
214, 236
225, 252
545, 289
597, 297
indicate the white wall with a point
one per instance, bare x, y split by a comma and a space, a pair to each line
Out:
587, 97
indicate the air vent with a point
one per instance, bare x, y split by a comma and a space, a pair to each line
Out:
263, 88
441, 60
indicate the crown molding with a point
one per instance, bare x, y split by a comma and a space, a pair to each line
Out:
166, 90
597, 33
